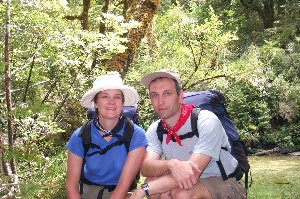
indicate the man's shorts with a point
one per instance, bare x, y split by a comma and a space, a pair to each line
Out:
218, 188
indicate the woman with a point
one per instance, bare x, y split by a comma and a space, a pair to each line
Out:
107, 175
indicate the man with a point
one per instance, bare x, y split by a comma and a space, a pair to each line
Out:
189, 169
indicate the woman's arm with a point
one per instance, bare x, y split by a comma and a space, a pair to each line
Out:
132, 166
74, 164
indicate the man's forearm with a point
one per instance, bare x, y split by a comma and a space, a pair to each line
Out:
162, 184
154, 168
158, 186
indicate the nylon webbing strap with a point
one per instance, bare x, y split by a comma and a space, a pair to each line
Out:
160, 131
103, 151
86, 139
194, 120
128, 132
222, 170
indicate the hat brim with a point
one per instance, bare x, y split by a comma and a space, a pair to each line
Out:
147, 79
131, 96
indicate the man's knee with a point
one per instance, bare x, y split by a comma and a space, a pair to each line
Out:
181, 194
149, 179
199, 191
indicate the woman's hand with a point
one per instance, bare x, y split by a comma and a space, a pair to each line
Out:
138, 194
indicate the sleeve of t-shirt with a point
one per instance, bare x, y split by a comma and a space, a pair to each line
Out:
211, 135
75, 144
138, 138
153, 141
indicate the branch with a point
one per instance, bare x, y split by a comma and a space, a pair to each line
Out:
21, 89
73, 17
204, 80
9, 184
28, 79
14, 187
30, 60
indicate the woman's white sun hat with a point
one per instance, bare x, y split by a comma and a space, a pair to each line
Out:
111, 80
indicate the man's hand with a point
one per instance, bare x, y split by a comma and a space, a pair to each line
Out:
185, 173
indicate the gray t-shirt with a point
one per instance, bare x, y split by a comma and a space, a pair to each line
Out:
212, 137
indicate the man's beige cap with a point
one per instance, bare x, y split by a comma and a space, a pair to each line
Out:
147, 79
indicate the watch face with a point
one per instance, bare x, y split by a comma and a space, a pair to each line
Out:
145, 185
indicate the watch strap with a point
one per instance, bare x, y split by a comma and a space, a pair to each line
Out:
145, 187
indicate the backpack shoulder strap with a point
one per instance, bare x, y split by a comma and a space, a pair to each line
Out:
160, 131
194, 120
85, 134
128, 133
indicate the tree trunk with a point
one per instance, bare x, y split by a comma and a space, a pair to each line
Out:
102, 28
28, 79
84, 17
142, 11
151, 41
85, 14
2, 162
280, 8
7, 87
265, 10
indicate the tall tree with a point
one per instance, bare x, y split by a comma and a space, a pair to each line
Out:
142, 11
7, 86
11, 168
265, 9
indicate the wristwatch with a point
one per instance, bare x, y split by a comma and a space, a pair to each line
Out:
145, 187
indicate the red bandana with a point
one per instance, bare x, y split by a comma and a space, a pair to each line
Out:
184, 115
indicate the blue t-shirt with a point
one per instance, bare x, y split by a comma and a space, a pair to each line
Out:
105, 169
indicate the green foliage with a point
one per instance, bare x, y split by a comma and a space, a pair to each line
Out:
249, 113
199, 49
40, 157
44, 176
261, 79
51, 68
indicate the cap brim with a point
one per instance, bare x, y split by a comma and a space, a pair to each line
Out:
147, 79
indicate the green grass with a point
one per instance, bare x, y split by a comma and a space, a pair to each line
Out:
275, 177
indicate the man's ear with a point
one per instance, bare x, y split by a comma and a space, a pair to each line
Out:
181, 96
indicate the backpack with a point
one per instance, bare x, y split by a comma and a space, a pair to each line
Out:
213, 100
85, 132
